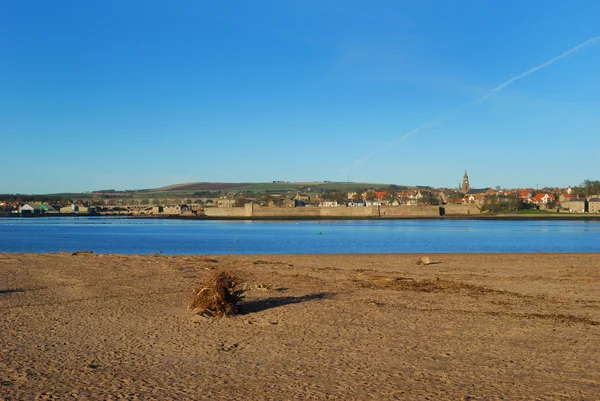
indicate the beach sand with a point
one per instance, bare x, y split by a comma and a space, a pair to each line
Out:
350, 327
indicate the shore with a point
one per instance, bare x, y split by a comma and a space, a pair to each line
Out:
508, 216
349, 327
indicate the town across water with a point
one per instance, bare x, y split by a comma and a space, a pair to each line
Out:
148, 236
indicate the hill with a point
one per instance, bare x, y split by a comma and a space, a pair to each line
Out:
267, 186
201, 186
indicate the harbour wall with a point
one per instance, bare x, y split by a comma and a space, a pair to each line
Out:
252, 210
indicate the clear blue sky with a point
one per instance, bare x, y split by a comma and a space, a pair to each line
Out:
140, 94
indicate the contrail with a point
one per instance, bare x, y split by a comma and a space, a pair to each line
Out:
425, 126
537, 68
390, 145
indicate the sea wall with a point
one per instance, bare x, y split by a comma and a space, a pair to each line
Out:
255, 211
410, 211
461, 210
226, 212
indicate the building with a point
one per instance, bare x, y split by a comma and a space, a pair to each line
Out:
594, 205
35, 208
172, 209
577, 205
476, 196
525, 195
465, 184
225, 202
540, 199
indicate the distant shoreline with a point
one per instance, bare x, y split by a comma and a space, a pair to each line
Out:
316, 218
557, 216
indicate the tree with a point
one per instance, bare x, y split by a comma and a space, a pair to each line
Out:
266, 199
591, 187
240, 202
392, 191
335, 195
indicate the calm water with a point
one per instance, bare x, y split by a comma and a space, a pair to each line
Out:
117, 235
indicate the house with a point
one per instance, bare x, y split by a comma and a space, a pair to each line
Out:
594, 205
6, 207
577, 205
287, 203
172, 209
524, 194
540, 199
372, 202
476, 196
404, 197
565, 197
380, 195
225, 202
410, 198
481, 199
302, 197
35, 208
75, 208
69, 209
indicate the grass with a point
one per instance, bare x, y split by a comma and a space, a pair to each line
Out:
532, 211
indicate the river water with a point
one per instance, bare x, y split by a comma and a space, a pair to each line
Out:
128, 236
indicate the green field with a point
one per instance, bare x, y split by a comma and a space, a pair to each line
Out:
188, 190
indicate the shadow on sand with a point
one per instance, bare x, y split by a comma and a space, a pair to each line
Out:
273, 302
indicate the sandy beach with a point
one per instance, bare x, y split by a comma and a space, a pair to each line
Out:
349, 327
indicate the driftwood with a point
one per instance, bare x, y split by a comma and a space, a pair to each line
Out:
81, 253
218, 295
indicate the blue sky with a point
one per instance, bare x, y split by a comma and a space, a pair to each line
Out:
131, 94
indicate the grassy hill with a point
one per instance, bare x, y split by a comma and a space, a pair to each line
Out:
188, 189
268, 186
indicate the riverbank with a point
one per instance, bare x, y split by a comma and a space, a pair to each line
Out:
512, 216
524, 216
376, 326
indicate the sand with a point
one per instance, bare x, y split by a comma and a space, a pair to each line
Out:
349, 327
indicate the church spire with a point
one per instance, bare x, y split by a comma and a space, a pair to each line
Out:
465, 185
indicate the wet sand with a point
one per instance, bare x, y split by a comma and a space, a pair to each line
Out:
485, 326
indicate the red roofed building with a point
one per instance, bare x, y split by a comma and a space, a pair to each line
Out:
542, 199
380, 194
525, 194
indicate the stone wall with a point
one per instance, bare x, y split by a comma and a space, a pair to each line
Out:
343, 211
461, 210
226, 212
410, 211
256, 211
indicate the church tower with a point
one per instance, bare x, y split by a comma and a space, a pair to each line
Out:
465, 185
